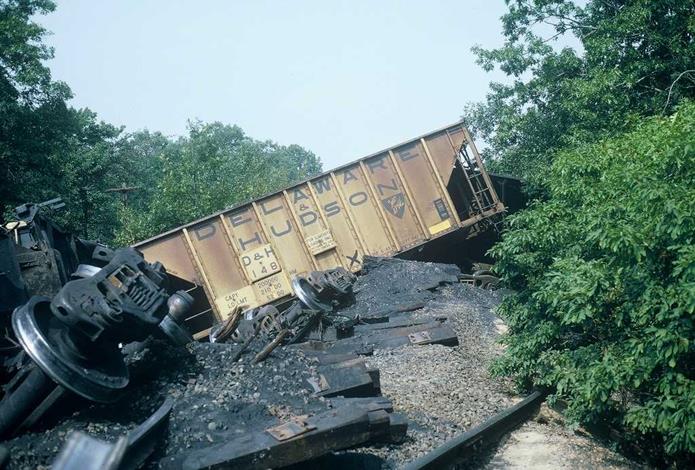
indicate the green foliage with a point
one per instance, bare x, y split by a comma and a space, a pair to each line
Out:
604, 274
604, 268
23, 77
34, 120
215, 167
637, 57
48, 149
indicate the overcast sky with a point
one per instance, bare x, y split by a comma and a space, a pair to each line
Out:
343, 79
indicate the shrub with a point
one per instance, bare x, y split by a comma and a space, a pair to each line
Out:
604, 281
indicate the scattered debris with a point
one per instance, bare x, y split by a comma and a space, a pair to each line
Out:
324, 290
242, 324
227, 410
319, 293
38, 257
223, 398
273, 387
128, 453
482, 278
247, 342
352, 422
270, 346
79, 302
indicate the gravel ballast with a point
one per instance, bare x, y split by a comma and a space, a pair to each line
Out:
445, 391
442, 390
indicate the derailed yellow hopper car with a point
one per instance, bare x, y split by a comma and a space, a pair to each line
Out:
381, 205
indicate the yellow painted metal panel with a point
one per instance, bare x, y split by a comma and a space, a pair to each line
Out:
245, 229
440, 227
440, 182
260, 262
457, 136
311, 224
380, 205
344, 233
394, 203
172, 249
408, 192
209, 293
443, 154
357, 194
272, 288
228, 302
216, 256
428, 196
284, 235
321, 242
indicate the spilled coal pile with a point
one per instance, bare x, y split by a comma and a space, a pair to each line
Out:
375, 385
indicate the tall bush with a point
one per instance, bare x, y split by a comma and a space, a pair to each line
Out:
604, 274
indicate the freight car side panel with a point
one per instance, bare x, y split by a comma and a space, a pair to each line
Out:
380, 205
283, 233
318, 238
344, 231
172, 251
457, 136
393, 203
245, 229
427, 190
259, 264
355, 191
443, 154
218, 261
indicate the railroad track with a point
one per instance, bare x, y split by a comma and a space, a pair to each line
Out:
481, 437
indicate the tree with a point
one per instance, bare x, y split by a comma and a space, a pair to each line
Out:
83, 169
214, 167
139, 166
47, 149
32, 106
637, 58
603, 274
601, 263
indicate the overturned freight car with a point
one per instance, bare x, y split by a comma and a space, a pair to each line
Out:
384, 204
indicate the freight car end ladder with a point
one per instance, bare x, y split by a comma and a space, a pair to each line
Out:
482, 197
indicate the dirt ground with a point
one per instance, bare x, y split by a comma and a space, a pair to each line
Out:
546, 443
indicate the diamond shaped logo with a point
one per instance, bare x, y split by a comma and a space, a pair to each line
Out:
395, 205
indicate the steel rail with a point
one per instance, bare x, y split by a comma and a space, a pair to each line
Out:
480, 437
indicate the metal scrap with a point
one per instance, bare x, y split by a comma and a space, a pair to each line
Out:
296, 426
220, 332
481, 278
420, 337
265, 352
83, 452
246, 344
351, 422
73, 339
264, 318
323, 290
118, 297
